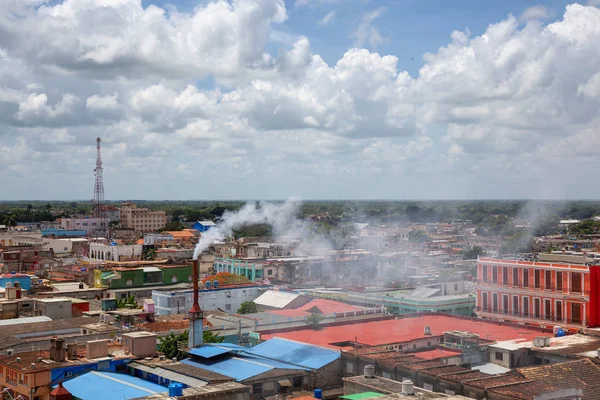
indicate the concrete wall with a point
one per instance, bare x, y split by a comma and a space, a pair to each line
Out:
54, 308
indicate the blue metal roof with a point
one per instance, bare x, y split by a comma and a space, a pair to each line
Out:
105, 385
240, 368
213, 350
305, 355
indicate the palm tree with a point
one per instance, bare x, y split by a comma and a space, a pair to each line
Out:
48, 207
10, 220
29, 208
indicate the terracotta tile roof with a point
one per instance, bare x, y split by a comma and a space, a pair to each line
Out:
319, 306
497, 380
436, 354
580, 374
446, 369
463, 377
181, 234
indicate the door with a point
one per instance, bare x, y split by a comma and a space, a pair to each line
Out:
558, 312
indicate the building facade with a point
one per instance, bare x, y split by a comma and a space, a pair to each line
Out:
115, 252
89, 225
141, 219
539, 293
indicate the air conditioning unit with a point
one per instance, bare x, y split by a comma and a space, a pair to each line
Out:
10, 352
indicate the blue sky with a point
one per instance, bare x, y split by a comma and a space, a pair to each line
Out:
314, 99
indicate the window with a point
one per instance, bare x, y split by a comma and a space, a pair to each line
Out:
484, 301
515, 277
525, 305
515, 305
495, 302
505, 276
576, 313
576, 282
548, 285
525, 277
495, 275
129, 282
548, 309
505, 308
484, 276
270, 272
349, 368
536, 279
297, 381
559, 280
257, 388
536, 308
227, 307
558, 311
499, 356
456, 287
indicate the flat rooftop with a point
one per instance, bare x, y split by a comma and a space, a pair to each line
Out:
404, 330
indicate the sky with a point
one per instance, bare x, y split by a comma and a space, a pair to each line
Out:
313, 99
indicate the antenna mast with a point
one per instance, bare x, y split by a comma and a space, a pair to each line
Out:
99, 185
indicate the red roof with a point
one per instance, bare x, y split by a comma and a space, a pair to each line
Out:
405, 329
319, 306
436, 353
59, 391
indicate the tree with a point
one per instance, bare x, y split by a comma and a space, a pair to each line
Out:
48, 207
247, 307
10, 220
314, 320
473, 253
168, 345
418, 236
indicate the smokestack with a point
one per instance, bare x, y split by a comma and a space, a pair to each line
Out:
195, 314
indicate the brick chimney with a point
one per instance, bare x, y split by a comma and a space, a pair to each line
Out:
58, 351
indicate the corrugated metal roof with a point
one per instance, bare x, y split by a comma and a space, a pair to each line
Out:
240, 368
297, 353
105, 385
208, 351
170, 375
28, 320
275, 299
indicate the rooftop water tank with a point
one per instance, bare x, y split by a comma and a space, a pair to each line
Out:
175, 389
408, 388
208, 284
369, 371
318, 394
215, 284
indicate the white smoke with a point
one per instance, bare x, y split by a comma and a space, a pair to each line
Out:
282, 217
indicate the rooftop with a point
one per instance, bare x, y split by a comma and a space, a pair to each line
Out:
275, 299
302, 354
404, 330
319, 306
105, 385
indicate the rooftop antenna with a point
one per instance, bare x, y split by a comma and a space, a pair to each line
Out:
99, 184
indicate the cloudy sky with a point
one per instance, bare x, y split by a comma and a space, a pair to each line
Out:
319, 99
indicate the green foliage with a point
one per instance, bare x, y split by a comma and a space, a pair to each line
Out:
168, 345
520, 242
173, 226
314, 320
418, 236
10, 220
473, 253
253, 230
128, 302
588, 227
247, 307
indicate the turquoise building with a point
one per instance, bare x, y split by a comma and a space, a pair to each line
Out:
248, 268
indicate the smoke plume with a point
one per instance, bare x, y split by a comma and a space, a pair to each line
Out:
282, 217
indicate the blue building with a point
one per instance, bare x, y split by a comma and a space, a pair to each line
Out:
203, 226
275, 366
106, 365
10, 279
62, 232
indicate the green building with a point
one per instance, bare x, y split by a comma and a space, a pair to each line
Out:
248, 268
146, 276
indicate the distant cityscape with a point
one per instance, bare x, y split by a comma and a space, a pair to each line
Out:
287, 300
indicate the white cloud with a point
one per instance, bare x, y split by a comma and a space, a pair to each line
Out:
365, 33
327, 19
535, 13
487, 113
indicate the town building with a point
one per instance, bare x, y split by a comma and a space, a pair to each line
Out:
141, 219
75, 246
155, 275
563, 291
87, 224
20, 238
203, 226
228, 298
101, 252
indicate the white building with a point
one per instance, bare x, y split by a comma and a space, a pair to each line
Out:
115, 252
89, 225
20, 238
228, 299
62, 246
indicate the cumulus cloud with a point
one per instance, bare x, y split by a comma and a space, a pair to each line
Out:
535, 13
203, 97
